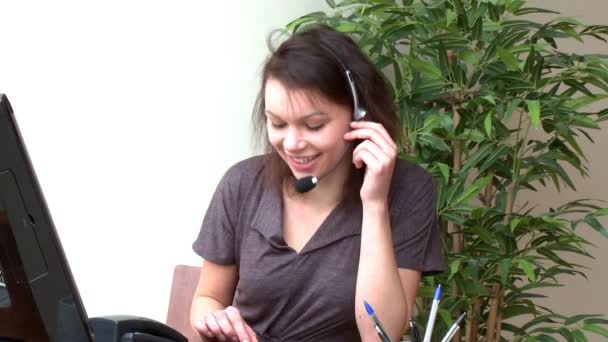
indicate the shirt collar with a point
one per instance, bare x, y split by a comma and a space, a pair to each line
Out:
342, 222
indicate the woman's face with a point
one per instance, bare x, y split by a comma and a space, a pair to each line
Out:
306, 130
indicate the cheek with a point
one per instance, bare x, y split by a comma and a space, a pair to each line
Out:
333, 139
274, 138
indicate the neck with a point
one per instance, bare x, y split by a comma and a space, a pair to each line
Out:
328, 192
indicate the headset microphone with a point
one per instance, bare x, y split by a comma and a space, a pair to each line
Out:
305, 184
308, 183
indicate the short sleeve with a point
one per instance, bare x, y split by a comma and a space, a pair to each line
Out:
415, 231
216, 239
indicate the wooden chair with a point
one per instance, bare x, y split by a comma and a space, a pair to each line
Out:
184, 283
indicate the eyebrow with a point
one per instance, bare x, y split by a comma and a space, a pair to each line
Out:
302, 118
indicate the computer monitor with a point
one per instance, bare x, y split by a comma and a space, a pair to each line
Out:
39, 300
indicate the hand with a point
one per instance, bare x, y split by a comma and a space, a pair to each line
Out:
226, 325
378, 152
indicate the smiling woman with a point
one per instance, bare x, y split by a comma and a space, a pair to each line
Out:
287, 265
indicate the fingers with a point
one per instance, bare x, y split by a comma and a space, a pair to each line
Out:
238, 324
369, 154
202, 328
253, 337
214, 327
366, 130
226, 325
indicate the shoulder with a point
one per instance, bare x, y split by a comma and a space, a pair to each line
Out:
243, 175
247, 168
410, 176
410, 182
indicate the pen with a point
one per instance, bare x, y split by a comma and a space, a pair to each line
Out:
429, 326
453, 329
414, 334
377, 325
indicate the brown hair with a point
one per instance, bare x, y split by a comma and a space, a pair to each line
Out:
311, 60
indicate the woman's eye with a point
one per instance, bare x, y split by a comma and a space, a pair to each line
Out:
278, 126
315, 128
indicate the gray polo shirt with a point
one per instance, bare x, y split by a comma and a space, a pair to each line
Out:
286, 296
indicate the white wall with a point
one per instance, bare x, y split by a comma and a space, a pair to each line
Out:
132, 111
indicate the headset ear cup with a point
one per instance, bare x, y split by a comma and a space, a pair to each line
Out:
359, 113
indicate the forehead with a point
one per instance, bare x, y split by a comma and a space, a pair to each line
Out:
283, 101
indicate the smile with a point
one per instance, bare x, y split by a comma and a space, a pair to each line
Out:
303, 160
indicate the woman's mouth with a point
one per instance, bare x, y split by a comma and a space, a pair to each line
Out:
302, 164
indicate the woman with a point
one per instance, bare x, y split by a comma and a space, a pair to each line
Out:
286, 264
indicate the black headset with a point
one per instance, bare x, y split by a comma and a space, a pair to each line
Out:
359, 111
308, 183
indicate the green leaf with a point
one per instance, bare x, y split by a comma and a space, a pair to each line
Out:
596, 321
527, 267
450, 17
583, 101
546, 338
478, 156
509, 59
445, 171
492, 158
534, 111
425, 67
585, 121
487, 123
577, 318
446, 317
596, 329
511, 108
455, 267
459, 7
490, 98
514, 223
528, 10
470, 57
517, 310
347, 27
579, 336
311, 17
566, 334
505, 268
597, 225
472, 191
435, 141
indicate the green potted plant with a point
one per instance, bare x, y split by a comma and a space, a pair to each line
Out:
492, 107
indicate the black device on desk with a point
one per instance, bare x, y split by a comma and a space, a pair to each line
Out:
39, 300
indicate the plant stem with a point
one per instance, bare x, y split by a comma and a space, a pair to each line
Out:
472, 324
488, 192
453, 229
495, 315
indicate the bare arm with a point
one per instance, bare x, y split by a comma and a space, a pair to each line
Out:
216, 284
378, 278
211, 313
380, 282
410, 281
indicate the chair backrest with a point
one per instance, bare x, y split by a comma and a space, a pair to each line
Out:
185, 279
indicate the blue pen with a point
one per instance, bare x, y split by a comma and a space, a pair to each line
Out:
434, 307
377, 325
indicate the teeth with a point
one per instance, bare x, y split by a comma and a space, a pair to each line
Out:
304, 160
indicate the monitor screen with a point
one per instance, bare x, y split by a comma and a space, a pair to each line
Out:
39, 300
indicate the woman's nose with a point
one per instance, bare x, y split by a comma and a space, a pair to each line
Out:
293, 141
